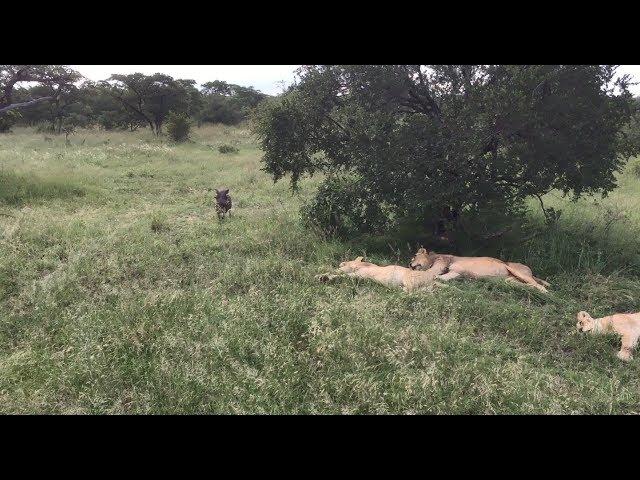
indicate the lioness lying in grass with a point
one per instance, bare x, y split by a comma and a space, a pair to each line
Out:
392, 276
447, 267
625, 324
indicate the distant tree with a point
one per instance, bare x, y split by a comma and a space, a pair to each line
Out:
217, 87
194, 97
68, 104
228, 103
420, 142
107, 112
150, 97
56, 77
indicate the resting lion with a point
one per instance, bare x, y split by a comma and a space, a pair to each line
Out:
392, 276
625, 324
447, 267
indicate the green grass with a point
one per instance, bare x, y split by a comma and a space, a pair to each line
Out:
121, 292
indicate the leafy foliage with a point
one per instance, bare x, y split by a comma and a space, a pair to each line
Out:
178, 126
225, 148
150, 97
8, 120
423, 139
341, 207
228, 103
56, 78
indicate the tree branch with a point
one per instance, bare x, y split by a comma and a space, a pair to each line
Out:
24, 104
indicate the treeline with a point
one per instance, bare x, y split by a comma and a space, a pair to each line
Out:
126, 102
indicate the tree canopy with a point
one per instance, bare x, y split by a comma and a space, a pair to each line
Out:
56, 78
54, 97
417, 139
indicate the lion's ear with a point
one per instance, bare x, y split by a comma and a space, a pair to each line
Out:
359, 259
422, 250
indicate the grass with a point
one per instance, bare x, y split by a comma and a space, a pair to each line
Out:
121, 292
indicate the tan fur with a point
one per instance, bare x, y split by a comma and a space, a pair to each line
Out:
626, 325
447, 267
392, 276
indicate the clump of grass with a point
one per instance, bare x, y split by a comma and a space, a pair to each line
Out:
226, 149
635, 169
159, 223
19, 189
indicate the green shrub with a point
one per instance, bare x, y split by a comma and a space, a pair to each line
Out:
178, 126
159, 223
341, 208
8, 120
224, 148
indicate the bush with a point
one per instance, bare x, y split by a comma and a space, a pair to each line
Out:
8, 120
178, 126
224, 148
341, 208
635, 168
159, 223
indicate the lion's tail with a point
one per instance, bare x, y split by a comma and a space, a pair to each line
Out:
542, 282
525, 278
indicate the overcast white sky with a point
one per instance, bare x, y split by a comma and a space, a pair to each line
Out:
265, 78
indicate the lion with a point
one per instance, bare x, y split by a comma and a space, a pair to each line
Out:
447, 267
392, 276
626, 325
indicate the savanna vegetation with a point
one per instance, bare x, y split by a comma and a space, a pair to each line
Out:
121, 292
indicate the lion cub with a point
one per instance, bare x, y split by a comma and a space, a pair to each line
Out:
625, 324
392, 276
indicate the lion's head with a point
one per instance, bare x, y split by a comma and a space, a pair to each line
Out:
585, 322
421, 260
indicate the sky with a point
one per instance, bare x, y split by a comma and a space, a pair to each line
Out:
266, 78
634, 71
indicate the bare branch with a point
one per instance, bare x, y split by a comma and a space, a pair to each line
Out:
24, 104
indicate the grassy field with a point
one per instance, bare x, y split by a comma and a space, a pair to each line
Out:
120, 292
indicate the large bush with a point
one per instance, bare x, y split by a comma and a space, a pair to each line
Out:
178, 126
342, 207
423, 140
8, 120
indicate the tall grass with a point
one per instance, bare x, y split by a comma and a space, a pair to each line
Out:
20, 189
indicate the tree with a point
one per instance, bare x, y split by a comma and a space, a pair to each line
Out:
633, 129
425, 142
68, 104
228, 103
149, 97
56, 77
194, 99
